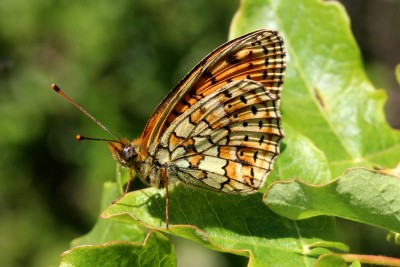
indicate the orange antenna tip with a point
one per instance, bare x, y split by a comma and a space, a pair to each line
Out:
79, 137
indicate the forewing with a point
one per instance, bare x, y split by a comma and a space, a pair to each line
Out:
226, 141
259, 56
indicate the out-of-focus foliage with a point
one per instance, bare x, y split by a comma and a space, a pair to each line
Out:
116, 58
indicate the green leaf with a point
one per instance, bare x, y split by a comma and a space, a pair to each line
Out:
361, 195
334, 260
156, 251
238, 224
108, 230
312, 164
326, 97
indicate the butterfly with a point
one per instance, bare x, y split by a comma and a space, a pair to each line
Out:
219, 128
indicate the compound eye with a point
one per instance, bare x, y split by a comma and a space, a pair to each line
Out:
128, 153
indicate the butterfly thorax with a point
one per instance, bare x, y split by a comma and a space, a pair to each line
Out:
129, 156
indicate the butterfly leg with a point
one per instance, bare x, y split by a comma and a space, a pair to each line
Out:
165, 178
127, 186
129, 182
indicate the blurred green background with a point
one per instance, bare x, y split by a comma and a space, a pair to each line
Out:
118, 59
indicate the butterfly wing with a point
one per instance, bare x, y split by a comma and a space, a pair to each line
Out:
259, 56
227, 141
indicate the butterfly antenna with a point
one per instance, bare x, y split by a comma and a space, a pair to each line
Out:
79, 137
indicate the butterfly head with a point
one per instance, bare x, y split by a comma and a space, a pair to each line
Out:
124, 152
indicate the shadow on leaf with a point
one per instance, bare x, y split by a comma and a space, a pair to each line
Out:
213, 212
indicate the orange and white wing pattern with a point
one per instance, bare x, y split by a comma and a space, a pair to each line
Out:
220, 127
257, 56
227, 141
